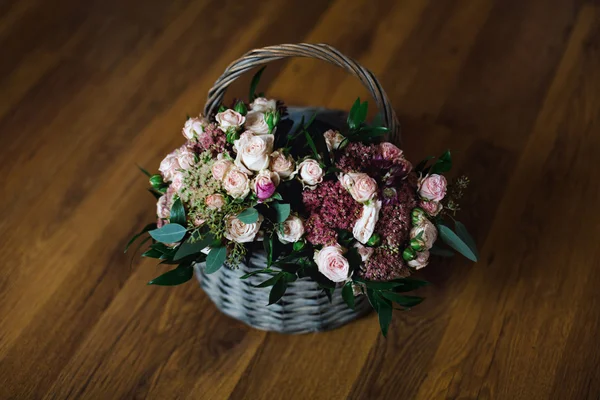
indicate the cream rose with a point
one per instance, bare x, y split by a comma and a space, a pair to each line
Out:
331, 262
433, 187
426, 232
230, 119
236, 183
220, 168
360, 185
310, 172
291, 230
215, 201
432, 208
420, 261
365, 225
390, 151
253, 151
177, 182
192, 128
255, 122
185, 157
240, 232
333, 139
263, 105
169, 166
284, 166
364, 251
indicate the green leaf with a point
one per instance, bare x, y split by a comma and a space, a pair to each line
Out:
174, 277
177, 213
188, 248
169, 233
277, 291
377, 120
311, 144
152, 253
361, 114
248, 216
215, 259
155, 193
421, 166
352, 114
147, 228
254, 83
262, 271
283, 211
440, 251
461, 231
384, 312
348, 295
270, 281
443, 164
148, 174
354, 259
268, 244
452, 240
276, 196
403, 300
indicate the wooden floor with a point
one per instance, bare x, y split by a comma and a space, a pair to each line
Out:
90, 88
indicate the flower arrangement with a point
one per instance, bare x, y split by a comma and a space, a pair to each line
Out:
339, 206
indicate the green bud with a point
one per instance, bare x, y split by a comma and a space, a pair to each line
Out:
241, 107
418, 215
417, 244
156, 181
222, 108
409, 254
374, 240
232, 135
276, 118
269, 119
299, 245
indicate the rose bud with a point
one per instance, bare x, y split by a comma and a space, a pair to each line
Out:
241, 108
432, 208
417, 244
418, 215
299, 245
264, 184
409, 254
215, 201
156, 181
374, 240
425, 232
420, 261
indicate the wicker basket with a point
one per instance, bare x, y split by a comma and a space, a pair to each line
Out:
304, 308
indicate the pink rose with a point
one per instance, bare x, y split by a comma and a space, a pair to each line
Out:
164, 204
360, 185
331, 262
333, 139
262, 104
390, 151
311, 173
264, 184
193, 127
426, 232
215, 201
253, 151
284, 166
240, 232
255, 122
236, 183
177, 182
230, 119
365, 225
169, 166
421, 260
291, 230
186, 157
433, 187
198, 221
220, 169
364, 252
432, 208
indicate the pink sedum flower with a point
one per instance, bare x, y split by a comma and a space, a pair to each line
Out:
360, 185
265, 184
433, 187
331, 262
432, 208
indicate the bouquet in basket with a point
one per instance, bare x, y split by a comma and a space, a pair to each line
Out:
339, 206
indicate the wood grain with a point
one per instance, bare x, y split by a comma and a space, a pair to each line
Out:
89, 89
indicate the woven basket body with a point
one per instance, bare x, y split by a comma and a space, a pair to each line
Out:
304, 307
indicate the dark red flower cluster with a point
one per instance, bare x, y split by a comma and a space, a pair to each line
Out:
385, 265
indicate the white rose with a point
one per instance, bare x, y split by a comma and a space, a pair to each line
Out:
220, 168
229, 119
291, 230
333, 139
331, 262
253, 151
236, 183
427, 232
255, 122
310, 172
263, 105
364, 251
185, 157
421, 260
360, 185
240, 232
365, 225
192, 128
169, 166
284, 166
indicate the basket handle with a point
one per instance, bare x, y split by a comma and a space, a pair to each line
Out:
319, 51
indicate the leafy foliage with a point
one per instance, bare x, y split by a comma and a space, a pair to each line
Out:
215, 259
254, 84
169, 233
176, 276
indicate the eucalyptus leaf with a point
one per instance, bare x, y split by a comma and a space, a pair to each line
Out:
169, 233
461, 231
277, 291
283, 211
437, 250
254, 83
348, 295
215, 259
248, 216
188, 248
452, 240
174, 277
177, 215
